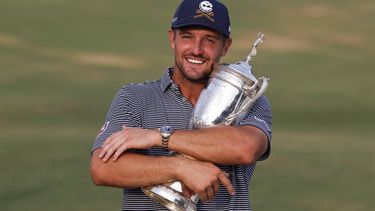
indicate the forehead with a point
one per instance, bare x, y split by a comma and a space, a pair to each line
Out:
199, 30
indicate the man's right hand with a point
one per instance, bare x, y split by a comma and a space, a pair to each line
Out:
202, 178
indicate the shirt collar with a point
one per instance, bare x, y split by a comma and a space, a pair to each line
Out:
166, 79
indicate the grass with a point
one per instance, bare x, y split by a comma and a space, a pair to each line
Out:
61, 62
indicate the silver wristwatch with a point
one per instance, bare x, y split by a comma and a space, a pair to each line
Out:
165, 132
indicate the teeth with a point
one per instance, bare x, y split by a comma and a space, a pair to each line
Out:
195, 61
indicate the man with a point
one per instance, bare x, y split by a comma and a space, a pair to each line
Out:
129, 152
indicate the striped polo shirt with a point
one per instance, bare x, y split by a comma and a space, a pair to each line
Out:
154, 104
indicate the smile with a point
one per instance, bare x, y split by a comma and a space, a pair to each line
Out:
195, 61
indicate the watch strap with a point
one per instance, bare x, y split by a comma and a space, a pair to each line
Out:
164, 142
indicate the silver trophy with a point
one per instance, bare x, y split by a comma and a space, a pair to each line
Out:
231, 92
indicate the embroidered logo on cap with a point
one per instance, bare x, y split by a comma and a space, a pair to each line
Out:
205, 10
206, 6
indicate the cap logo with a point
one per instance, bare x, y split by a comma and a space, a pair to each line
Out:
205, 10
206, 6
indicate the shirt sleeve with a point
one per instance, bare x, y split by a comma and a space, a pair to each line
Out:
260, 116
119, 114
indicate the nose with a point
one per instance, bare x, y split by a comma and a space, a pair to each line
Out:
197, 48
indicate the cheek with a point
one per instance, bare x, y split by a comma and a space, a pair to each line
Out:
221, 53
216, 55
179, 48
215, 51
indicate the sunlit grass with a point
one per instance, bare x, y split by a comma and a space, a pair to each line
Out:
61, 62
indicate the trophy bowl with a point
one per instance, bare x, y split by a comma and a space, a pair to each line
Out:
228, 97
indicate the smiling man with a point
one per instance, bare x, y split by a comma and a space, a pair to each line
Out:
146, 121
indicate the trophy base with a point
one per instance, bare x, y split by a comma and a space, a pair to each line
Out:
171, 199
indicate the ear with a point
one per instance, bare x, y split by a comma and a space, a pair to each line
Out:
171, 36
227, 44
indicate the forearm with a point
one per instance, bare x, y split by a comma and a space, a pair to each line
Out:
219, 145
223, 145
132, 170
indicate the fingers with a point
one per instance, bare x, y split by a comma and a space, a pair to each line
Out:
204, 178
227, 184
203, 196
119, 152
113, 146
128, 138
215, 187
207, 194
210, 192
103, 152
185, 190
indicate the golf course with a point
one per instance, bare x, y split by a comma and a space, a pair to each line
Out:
63, 61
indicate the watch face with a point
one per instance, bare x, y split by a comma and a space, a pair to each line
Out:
166, 130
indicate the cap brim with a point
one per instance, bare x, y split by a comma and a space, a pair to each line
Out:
202, 24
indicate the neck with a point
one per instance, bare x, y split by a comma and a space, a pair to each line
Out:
189, 89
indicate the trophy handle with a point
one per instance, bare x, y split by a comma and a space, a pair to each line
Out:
263, 86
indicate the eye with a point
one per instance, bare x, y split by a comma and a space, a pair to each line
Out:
186, 36
210, 40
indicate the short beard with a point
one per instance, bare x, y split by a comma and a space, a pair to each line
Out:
203, 78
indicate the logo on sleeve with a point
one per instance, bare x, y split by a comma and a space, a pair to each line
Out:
104, 127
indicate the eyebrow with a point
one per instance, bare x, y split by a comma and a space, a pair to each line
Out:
186, 31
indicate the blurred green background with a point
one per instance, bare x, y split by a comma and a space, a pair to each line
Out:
61, 62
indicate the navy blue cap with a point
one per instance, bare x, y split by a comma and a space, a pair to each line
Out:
211, 14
